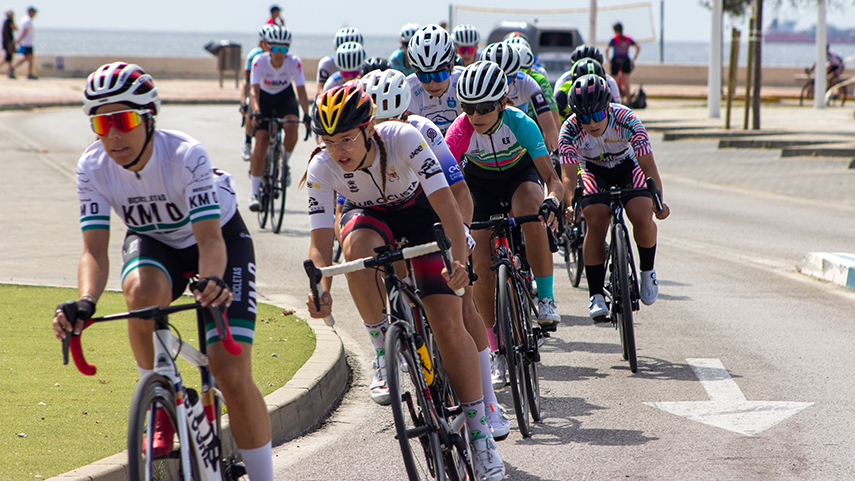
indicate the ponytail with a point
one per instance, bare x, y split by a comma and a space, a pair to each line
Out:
315, 152
382, 147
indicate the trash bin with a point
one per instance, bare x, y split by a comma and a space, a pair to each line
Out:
228, 58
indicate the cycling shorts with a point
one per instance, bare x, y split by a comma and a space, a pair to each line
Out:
621, 64
598, 180
413, 223
180, 264
488, 194
278, 105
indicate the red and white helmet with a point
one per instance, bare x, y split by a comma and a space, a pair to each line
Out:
120, 82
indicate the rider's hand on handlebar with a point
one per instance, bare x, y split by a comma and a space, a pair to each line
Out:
307, 121
326, 306
256, 119
666, 211
550, 204
459, 276
216, 293
62, 326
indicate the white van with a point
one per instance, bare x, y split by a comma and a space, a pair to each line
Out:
551, 44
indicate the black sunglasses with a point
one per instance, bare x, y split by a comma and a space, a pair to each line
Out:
483, 108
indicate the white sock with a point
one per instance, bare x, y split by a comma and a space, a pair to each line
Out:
259, 462
143, 372
378, 336
256, 184
486, 378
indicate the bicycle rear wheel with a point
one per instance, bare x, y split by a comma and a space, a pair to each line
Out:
806, 93
573, 253
278, 182
412, 410
507, 312
153, 392
623, 298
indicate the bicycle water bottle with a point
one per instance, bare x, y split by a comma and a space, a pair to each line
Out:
427, 367
202, 436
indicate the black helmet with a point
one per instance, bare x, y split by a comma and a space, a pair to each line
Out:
586, 66
589, 94
372, 64
341, 109
586, 51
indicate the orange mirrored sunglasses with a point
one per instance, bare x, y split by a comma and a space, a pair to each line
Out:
124, 121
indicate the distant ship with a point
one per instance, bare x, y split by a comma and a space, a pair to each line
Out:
785, 31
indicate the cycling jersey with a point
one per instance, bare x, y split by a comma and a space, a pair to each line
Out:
250, 57
565, 79
440, 110
411, 169
621, 44
334, 80
176, 188
274, 80
524, 90
398, 62
326, 67
543, 82
623, 139
516, 141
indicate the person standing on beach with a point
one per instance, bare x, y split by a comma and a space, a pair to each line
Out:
25, 40
621, 64
9, 40
276, 16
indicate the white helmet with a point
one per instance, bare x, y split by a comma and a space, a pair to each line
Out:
347, 34
504, 55
277, 35
482, 81
120, 82
390, 91
517, 39
349, 56
430, 49
526, 57
466, 36
407, 31
262, 32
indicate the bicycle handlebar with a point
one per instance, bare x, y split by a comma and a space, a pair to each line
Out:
499, 223
281, 120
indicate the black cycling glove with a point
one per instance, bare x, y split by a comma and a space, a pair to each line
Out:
84, 307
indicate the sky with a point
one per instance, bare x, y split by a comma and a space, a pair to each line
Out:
685, 20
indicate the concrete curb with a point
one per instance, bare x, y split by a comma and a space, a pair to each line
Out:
294, 408
837, 268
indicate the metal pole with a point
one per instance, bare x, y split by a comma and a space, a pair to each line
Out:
749, 73
732, 67
758, 63
592, 23
450, 16
714, 69
819, 73
661, 31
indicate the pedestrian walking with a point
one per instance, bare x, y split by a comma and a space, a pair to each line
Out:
9, 40
25, 41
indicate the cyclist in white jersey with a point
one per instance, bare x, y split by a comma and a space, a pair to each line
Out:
244, 106
273, 78
523, 89
434, 83
395, 188
614, 146
391, 94
327, 65
349, 58
181, 217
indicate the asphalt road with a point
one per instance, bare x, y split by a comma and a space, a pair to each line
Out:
741, 221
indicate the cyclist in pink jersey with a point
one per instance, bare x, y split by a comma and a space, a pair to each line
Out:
621, 63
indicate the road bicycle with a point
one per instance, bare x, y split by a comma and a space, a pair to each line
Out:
621, 288
519, 337
277, 175
834, 94
430, 425
199, 454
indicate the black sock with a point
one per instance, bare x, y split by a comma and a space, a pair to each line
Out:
596, 275
646, 255
248, 139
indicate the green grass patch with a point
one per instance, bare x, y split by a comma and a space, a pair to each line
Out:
54, 419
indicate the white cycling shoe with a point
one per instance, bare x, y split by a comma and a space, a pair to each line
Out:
486, 461
649, 287
254, 204
597, 308
498, 370
379, 387
498, 421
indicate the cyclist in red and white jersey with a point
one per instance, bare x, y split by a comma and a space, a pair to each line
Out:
434, 83
327, 65
614, 146
181, 217
466, 38
273, 78
349, 58
394, 188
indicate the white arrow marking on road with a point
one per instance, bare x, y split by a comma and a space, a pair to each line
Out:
727, 407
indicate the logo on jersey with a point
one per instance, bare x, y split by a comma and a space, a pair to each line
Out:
429, 169
538, 98
451, 102
313, 185
200, 175
431, 134
315, 207
418, 150
392, 175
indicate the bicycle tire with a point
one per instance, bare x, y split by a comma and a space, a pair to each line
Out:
573, 253
624, 299
264, 193
531, 355
279, 180
806, 93
151, 392
509, 322
411, 410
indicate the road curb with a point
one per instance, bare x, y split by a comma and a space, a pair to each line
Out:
837, 268
294, 408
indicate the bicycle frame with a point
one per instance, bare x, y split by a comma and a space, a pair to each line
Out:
616, 207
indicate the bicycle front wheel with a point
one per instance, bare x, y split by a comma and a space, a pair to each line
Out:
623, 298
507, 312
411, 409
278, 182
154, 392
573, 253
264, 191
531, 354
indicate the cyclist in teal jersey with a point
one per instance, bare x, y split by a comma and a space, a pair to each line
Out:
399, 59
244, 106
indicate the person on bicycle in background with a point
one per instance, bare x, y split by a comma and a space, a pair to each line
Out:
399, 59
585, 66
182, 217
244, 106
466, 38
374, 63
434, 83
620, 62
327, 65
523, 90
526, 64
584, 52
503, 158
391, 94
394, 188
273, 78
349, 58
614, 146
